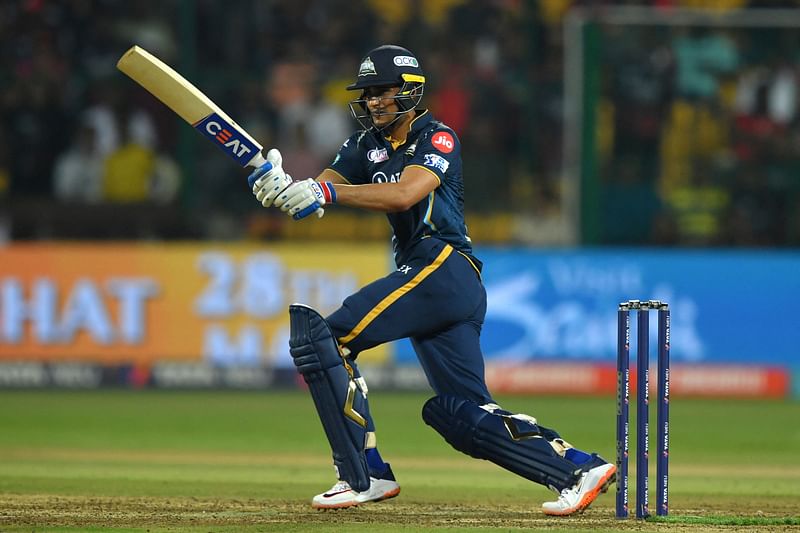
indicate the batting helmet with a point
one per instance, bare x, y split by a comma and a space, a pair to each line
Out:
388, 66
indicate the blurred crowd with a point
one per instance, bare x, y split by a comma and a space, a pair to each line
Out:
698, 129
701, 130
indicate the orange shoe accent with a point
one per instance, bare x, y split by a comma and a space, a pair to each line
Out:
590, 496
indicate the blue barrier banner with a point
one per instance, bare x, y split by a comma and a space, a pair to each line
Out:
726, 306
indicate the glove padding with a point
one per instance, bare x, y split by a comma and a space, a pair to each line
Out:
302, 198
269, 180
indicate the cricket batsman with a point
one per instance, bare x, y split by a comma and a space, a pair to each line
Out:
406, 164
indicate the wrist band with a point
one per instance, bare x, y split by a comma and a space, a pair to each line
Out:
328, 191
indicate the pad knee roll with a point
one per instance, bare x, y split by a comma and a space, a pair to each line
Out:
339, 398
514, 443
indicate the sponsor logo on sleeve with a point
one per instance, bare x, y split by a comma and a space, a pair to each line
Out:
443, 142
376, 155
436, 161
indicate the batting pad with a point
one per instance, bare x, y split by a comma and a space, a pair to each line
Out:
337, 396
515, 444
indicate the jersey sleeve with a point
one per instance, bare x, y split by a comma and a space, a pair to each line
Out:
438, 151
347, 162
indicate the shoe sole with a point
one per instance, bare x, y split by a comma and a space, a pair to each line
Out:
345, 505
590, 496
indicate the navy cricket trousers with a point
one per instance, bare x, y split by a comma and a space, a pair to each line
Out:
437, 300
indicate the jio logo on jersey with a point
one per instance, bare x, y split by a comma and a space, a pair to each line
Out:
443, 142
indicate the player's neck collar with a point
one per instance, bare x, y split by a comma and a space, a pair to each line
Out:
413, 125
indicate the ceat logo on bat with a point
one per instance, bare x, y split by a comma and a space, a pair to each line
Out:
227, 138
443, 142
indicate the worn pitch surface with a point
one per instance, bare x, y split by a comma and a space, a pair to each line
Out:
225, 461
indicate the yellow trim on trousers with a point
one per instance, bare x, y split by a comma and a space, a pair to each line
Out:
396, 294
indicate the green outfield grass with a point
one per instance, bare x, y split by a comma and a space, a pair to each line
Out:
231, 461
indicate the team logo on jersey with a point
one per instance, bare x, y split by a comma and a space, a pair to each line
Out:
436, 161
367, 68
443, 142
376, 155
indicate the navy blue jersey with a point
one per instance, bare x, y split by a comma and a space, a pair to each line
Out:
431, 145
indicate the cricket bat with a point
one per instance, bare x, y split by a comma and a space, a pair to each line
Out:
191, 105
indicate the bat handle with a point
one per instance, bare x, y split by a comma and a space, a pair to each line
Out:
257, 161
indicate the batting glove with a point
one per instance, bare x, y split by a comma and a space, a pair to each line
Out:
269, 180
305, 197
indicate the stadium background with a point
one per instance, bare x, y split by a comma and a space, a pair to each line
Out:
606, 159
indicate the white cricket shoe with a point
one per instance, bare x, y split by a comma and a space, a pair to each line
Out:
581, 495
341, 495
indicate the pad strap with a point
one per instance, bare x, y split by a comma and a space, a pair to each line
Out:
513, 442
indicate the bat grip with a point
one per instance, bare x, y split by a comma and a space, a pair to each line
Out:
257, 161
